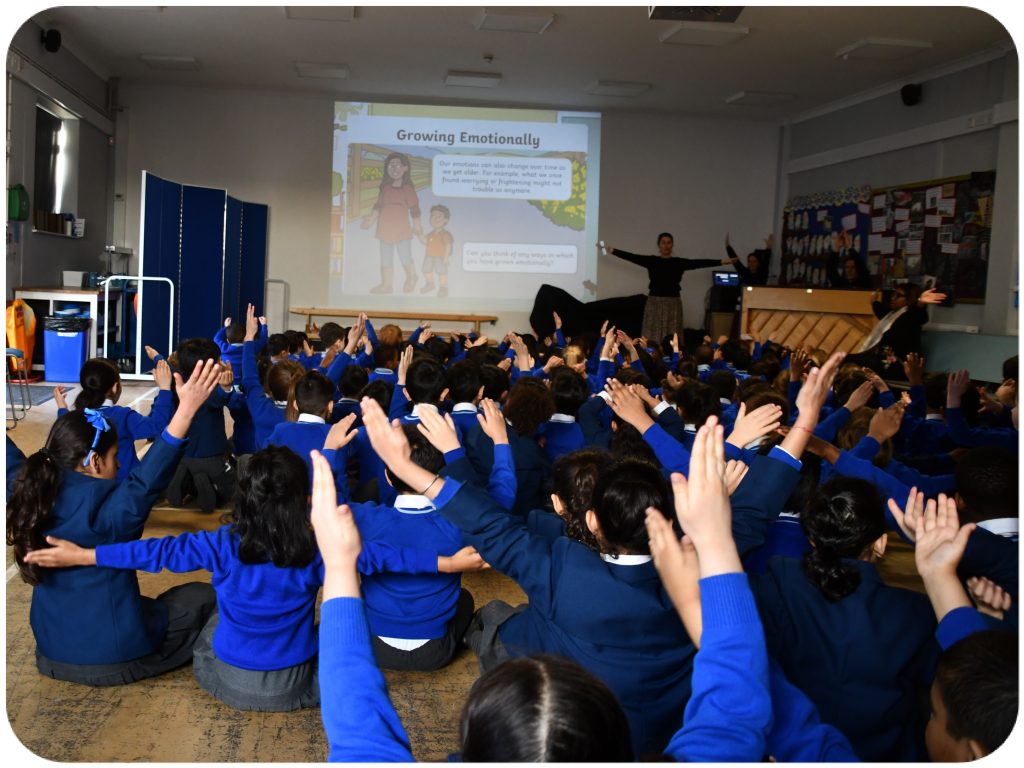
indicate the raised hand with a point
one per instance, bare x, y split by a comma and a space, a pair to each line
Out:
58, 395
798, 364
194, 392
913, 367
553, 362
735, 471
337, 535
628, 406
931, 296
859, 397
679, 568
438, 429
227, 376
876, 381
557, 319
341, 434
252, 324
150, 352
957, 384
989, 598
758, 423
940, 539
403, 364
702, 503
886, 422
492, 422
909, 518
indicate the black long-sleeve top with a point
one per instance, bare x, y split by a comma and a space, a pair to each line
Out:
664, 276
904, 336
747, 275
837, 277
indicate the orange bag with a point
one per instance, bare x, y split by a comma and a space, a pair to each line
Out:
21, 329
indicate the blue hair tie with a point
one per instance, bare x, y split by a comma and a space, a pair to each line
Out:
100, 424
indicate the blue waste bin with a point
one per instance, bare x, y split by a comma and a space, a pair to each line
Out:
65, 346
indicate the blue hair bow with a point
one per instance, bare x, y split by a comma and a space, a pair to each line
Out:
98, 422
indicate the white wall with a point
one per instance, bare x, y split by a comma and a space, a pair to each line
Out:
694, 178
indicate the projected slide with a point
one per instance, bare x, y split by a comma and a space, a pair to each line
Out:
479, 206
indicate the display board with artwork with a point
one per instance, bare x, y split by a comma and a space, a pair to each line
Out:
934, 233
817, 227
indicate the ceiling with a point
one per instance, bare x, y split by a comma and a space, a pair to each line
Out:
403, 53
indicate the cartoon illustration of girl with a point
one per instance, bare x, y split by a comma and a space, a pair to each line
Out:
396, 204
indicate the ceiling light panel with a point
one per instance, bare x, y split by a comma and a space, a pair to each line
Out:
320, 12
472, 79
758, 98
531, 20
882, 49
703, 33
330, 71
171, 63
616, 88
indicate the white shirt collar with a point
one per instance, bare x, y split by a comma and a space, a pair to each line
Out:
281, 403
934, 417
309, 418
724, 401
626, 559
413, 504
1002, 526
107, 403
690, 428
464, 408
754, 444
418, 409
563, 418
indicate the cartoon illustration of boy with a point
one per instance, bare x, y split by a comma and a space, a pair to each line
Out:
439, 249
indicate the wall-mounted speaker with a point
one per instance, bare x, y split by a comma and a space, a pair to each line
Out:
910, 94
51, 40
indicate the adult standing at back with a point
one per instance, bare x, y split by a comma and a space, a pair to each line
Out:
663, 312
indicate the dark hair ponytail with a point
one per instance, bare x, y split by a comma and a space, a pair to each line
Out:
38, 483
841, 521
98, 376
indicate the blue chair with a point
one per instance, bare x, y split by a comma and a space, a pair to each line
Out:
17, 357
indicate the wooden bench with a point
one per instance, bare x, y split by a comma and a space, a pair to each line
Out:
454, 317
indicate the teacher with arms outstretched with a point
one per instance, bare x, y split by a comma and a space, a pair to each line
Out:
663, 312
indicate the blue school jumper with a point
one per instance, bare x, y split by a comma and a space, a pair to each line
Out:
308, 434
561, 435
727, 718
401, 605
132, 425
464, 416
266, 413
266, 612
243, 433
863, 660
232, 352
85, 615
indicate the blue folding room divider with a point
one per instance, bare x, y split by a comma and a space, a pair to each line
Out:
211, 246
